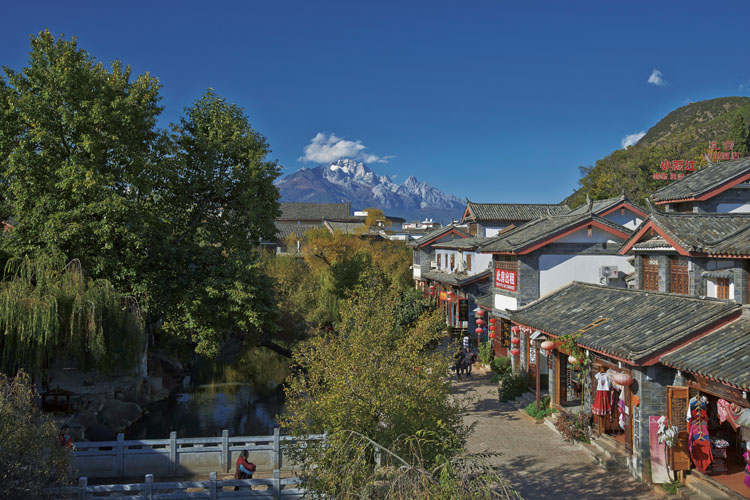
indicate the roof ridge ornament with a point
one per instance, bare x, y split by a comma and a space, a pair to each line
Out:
590, 203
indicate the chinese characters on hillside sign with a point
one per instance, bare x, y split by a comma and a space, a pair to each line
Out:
715, 154
505, 279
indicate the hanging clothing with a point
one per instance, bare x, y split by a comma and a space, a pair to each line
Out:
700, 444
746, 456
725, 413
602, 382
623, 410
614, 402
744, 418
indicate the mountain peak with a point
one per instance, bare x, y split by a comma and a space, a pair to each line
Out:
353, 181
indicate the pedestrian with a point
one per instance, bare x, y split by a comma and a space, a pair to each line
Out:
244, 469
460, 363
466, 341
470, 359
66, 440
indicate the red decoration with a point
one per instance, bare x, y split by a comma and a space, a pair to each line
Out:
479, 331
492, 335
492, 328
493, 320
515, 341
514, 330
548, 345
480, 313
623, 379
515, 351
479, 321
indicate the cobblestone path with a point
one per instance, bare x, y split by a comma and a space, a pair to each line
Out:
536, 461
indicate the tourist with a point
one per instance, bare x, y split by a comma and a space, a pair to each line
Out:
244, 469
460, 363
66, 440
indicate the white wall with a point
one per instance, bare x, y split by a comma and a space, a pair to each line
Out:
417, 272
490, 231
733, 208
711, 288
479, 262
505, 302
558, 270
445, 264
630, 220
582, 236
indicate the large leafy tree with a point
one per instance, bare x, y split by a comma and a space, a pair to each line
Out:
171, 218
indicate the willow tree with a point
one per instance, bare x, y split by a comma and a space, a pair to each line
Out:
49, 309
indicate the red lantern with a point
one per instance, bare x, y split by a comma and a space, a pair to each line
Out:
548, 345
480, 313
479, 331
492, 328
493, 320
479, 321
492, 335
515, 341
572, 360
514, 330
623, 379
515, 351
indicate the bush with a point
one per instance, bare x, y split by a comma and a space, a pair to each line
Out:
486, 354
544, 409
510, 386
574, 427
501, 365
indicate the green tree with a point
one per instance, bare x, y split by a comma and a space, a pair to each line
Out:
378, 375
75, 157
31, 457
740, 134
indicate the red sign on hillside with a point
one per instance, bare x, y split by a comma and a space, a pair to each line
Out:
505, 279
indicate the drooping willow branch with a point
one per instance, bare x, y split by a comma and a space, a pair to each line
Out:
51, 309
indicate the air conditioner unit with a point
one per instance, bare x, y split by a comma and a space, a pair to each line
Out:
608, 272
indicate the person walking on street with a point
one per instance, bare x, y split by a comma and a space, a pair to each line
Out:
460, 358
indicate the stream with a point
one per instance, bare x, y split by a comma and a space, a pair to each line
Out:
245, 397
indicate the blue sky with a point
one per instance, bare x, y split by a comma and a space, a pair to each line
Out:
495, 101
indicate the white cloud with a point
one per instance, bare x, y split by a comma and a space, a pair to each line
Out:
745, 87
656, 78
631, 139
329, 148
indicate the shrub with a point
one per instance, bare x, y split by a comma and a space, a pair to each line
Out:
544, 408
501, 365
510, 386
574, 427
486, 353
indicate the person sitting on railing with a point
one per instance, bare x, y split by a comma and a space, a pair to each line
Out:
244, 469
66, 440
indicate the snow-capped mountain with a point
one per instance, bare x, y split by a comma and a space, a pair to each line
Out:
354, 182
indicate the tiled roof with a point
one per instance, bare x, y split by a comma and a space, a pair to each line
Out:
600, 206
539, 229
722, 355
485, 301
514, 211
463, 243
283, 230
655, 243
713, 234
641, 323
702, 181
345, 227
455, 278
435, 233
314, 211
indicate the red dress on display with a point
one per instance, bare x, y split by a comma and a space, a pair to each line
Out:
601, 401
700, 443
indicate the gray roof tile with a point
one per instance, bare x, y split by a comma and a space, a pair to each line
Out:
471, 243
703, 180
723, 355
641, 323
455, 278
314, 211
539, 229
514, 211
601, 206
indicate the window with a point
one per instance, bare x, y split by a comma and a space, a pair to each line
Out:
679, 278
439, 260
417, 257
722, 288
473, 229
468, 262
650, 274
453, 261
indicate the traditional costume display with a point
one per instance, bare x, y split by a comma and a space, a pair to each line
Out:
601, 401
699, 442
746, 456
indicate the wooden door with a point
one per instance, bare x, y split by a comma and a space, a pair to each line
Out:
628, 421
677, 407
561, 380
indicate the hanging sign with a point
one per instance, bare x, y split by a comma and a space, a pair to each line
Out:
505, 279
443, 296
726, 152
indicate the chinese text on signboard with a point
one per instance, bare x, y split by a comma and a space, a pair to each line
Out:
505, 279
714, 154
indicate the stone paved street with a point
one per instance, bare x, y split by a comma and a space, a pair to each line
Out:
537, 462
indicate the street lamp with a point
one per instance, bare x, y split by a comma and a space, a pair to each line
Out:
537, 338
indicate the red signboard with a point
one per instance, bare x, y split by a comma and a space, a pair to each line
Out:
505, 279
713, 153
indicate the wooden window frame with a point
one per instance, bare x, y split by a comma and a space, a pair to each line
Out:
439, 260
650, 275
679, 276
468, 262
453, 261
722, 288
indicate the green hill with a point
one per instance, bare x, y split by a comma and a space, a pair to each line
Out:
683, 134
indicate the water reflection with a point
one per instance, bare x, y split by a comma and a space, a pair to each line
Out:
243, 397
